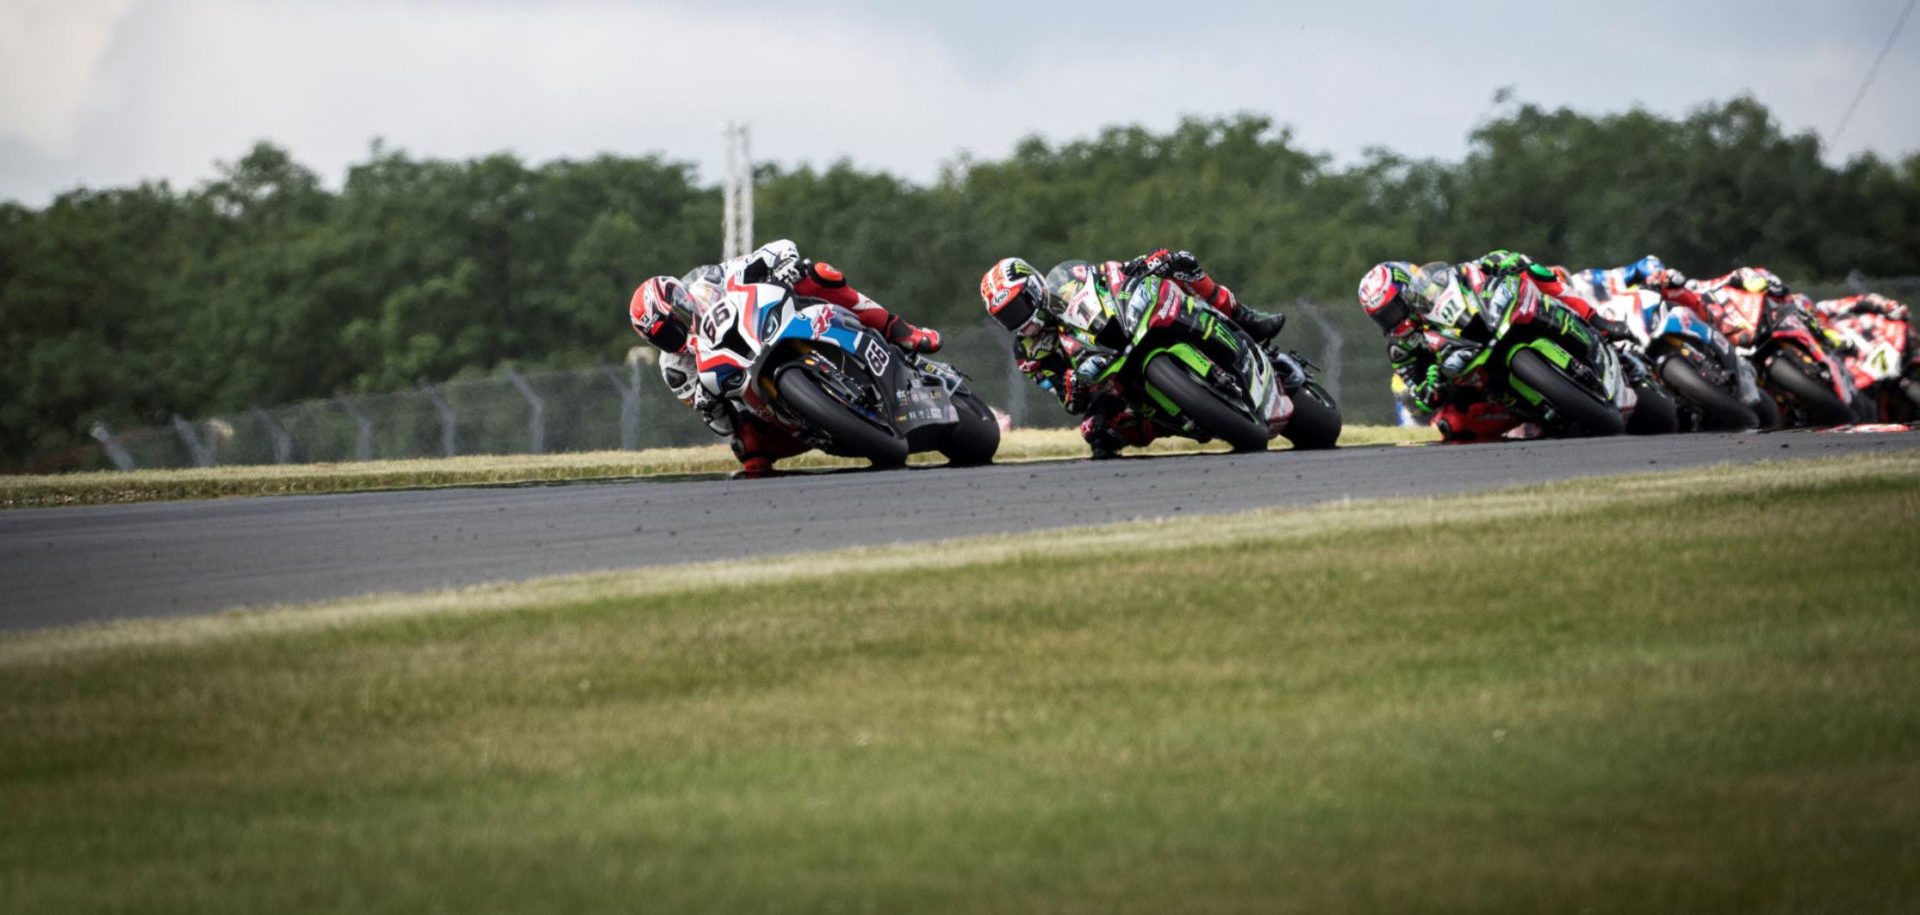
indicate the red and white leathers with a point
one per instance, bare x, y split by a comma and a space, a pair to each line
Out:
1747, 277
1871, 303
755, 443
780, 262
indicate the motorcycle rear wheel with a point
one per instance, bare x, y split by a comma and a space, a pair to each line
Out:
976, 437
851, 433
1570, 401
1719, 409
1204, 406
1822, 405
1315, 422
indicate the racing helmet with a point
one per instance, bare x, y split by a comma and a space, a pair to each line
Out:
1386, 293
1016, 296
662, 312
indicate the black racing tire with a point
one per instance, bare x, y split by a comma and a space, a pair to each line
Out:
1315, 423
1866, 407
1654, 412
1768, 410
1719, 409
1570, 401
1822, 405
976, 437
1204, 406
851, 434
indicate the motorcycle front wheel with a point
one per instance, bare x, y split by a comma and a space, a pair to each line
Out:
1823, 407
1204, 406
1569, 401
852, 434
1718, 408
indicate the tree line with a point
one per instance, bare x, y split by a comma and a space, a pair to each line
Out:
263, 286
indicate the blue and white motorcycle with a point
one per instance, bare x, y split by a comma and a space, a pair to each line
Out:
1713, 387
810, 368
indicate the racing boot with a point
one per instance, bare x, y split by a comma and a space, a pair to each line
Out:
757, 445
1259, 325
1112, 425
910, 338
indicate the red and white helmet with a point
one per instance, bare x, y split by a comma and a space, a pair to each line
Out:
1386, 294
662, 312
1016, 296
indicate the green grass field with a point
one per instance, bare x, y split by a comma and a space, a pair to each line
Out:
108, 487
1696, 691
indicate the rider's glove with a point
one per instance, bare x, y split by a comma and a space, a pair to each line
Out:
778, 262
1157, 263
1775, 288
1500, 260
1184, 267
1456, 362
1080, 381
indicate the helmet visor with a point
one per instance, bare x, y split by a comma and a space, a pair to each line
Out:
1019, 313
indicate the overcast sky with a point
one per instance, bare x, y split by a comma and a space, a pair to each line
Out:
110, 92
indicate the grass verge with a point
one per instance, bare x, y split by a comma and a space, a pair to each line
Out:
1692, 691
108, 487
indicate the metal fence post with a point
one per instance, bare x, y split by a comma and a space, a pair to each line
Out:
201, 450
449, 445
116, 452
282, 440
537, 423
363, 444
629, 404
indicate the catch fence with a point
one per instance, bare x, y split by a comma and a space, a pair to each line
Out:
625, 407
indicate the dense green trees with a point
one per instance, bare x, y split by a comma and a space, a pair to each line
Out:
264, 286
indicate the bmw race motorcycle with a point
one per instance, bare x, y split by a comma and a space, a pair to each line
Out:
1525, 350
810, 368
1713, 387
1185, 367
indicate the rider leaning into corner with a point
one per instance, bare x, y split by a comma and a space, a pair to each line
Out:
664, 310
1428, 367
1061, 360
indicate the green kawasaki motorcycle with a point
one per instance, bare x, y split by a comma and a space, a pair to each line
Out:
1524, 349
1185, 367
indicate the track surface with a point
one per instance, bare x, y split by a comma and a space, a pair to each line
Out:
74, 565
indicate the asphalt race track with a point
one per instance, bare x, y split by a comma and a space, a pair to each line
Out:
74, 565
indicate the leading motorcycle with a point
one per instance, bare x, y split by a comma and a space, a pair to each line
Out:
810, 368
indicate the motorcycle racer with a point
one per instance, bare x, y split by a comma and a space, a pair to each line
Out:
1057, 357
665, 309
1872, 303
1429, 367
1598, 284
1461, 414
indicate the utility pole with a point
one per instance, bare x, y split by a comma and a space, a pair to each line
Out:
736, 223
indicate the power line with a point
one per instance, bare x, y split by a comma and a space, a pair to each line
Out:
1874, 70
